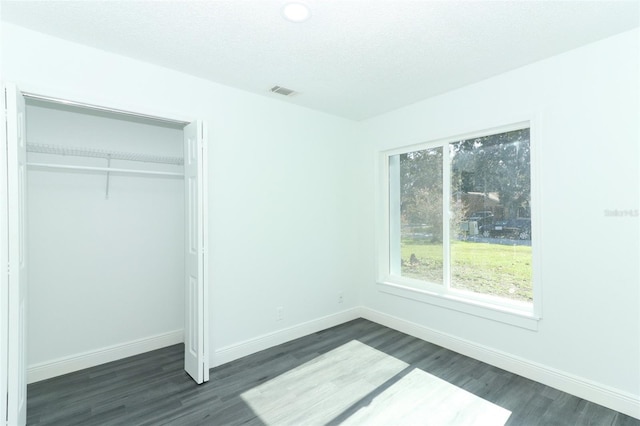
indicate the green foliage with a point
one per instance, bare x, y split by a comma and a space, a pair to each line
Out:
491, 164
421, 190
494, 269
497, 163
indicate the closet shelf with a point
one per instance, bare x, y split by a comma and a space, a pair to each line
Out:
106, 154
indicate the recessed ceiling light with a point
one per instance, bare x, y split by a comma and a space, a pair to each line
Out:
296, 12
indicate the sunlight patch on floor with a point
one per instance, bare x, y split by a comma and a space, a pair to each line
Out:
319, 390
356, 384
420, 398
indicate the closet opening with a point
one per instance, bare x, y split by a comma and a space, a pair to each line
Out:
106, 222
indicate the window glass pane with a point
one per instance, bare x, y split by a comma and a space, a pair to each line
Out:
421, 215
490, 221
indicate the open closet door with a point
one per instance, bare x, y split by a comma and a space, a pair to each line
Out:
4, 271
17, 282
196, 356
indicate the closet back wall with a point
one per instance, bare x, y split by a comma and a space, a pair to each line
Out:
102, 272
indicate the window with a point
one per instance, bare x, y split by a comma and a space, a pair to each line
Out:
459, 220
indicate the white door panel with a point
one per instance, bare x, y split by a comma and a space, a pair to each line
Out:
196, 361
4, 272
17, 282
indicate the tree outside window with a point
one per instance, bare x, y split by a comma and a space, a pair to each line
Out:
480, 243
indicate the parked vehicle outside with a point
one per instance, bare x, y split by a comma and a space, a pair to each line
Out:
483, 217
519, 228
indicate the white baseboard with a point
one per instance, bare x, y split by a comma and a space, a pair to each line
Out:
266, 341
64, 365
609, 397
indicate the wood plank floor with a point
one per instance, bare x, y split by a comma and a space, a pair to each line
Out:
358, 373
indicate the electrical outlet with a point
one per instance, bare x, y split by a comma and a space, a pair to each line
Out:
279, 313
340, 297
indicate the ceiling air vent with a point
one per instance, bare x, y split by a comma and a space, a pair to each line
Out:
282, 91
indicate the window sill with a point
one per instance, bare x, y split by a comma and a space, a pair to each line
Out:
507, 315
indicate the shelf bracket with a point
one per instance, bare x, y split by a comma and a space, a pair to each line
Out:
106, 195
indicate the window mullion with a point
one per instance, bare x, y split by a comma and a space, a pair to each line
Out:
395, 246
446, 202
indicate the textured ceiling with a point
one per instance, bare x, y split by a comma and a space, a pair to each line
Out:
354, 59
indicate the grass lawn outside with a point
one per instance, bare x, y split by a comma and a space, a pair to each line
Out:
495, 269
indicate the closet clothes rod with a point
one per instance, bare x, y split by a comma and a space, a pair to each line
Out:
103, 169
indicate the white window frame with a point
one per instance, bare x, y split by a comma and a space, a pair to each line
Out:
520, 314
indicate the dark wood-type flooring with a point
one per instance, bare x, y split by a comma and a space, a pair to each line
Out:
358, 373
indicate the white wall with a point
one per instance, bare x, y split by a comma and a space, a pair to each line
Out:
102, 272
586, 103
282, 232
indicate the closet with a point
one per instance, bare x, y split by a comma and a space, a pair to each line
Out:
105, 247
106, 225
